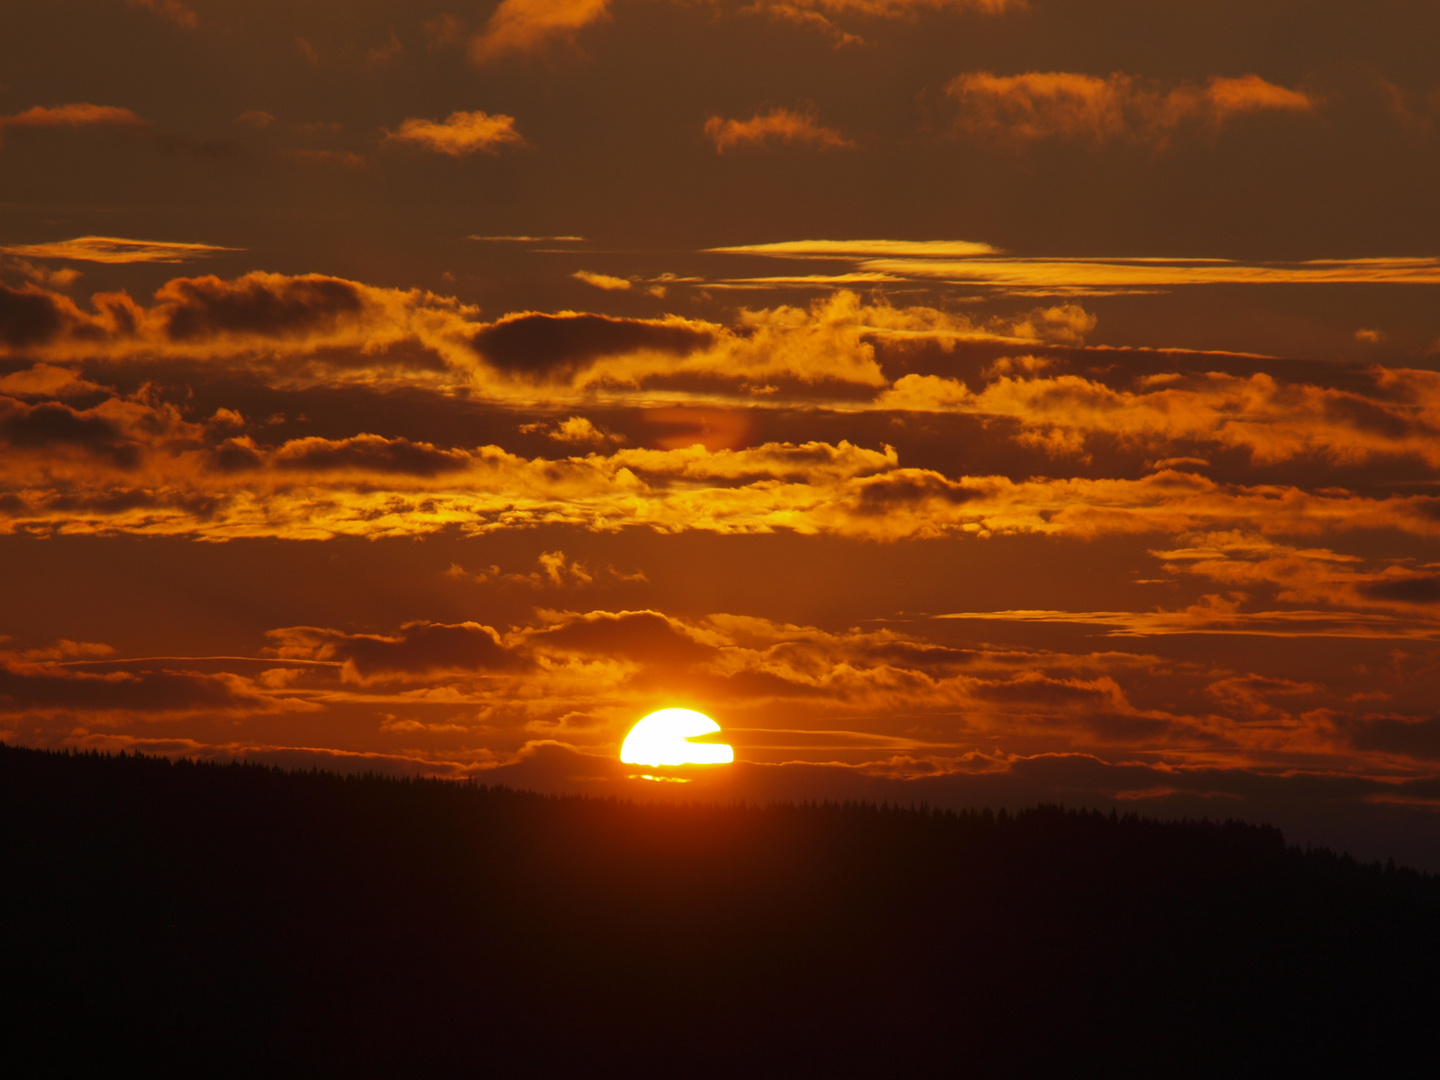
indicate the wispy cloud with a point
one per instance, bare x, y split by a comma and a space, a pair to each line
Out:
977, 264
530, 239
1062, 104
115, 249
602, 281
1215, 615
859, 249
778, 125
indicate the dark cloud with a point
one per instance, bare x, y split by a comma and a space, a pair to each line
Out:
235, 455
265, 305
28, 316
644, 636
905, 489
536, 344
52, 424
1418, 739
371, 453
419, 648
1410, 590
48, 688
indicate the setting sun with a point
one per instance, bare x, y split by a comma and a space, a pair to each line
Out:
663, 738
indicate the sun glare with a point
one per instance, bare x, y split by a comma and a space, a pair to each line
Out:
663, 738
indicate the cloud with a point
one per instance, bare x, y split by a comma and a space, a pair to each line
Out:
1143, 273
819, 13
115, 249
1217, 615
49, 425
530, 239
643, 636
602, 281
339, 330
186, 484
1273, 421
969, 263
579, 430
530, 342
419, 650
347, 158
1059, 104
460, 134
520, 26
369, 454
46, 380
1419, 739
778, 125
859, 249
528, 26
172, 10
381, 55
47, 682
443, 31
75, 115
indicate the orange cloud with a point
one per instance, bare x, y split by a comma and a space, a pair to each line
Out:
131, 464
857, 249
520, 26
1273, 421
978, 264
778, 125
1059, 104
115, 249
970, 263
602, 281
76, 115
460, 134
1217, 615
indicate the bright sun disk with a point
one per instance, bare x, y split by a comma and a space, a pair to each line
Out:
663, 738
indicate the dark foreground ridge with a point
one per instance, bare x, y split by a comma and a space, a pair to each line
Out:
203, 919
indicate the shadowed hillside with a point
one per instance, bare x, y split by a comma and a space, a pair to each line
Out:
189, 918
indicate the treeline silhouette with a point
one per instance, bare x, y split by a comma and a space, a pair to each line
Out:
185, 918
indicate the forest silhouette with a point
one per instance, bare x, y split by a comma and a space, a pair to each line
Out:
178, 917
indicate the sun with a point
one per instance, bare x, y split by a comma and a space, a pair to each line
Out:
663, 738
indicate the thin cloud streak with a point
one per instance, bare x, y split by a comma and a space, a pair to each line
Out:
117, 250
977, 264
1217, 617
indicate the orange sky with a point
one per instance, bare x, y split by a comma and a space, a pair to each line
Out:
963, 400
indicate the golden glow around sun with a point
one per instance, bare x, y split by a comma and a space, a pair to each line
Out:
663, 738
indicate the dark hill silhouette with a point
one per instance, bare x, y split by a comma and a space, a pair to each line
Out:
182, 918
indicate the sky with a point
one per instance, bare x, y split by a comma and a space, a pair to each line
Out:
980, 402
